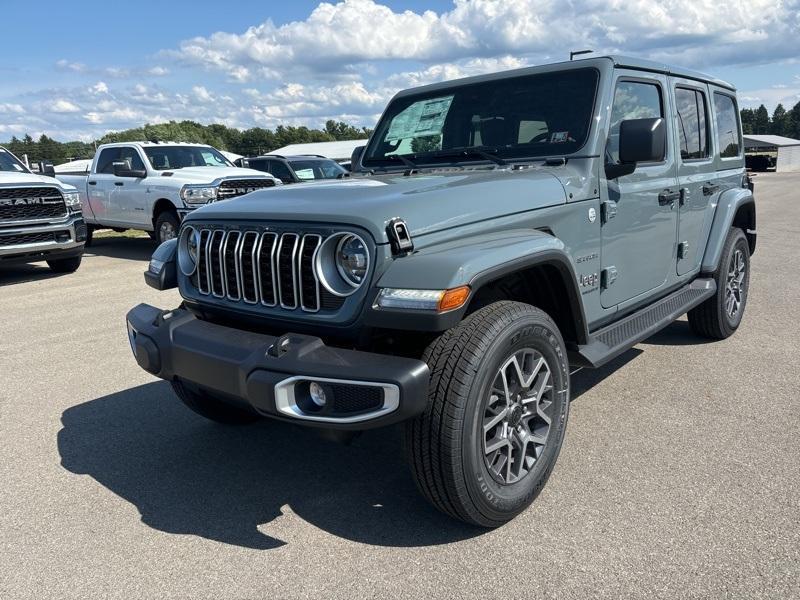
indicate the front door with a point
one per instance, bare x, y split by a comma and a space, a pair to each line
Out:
696, 175
129, 202
639, 210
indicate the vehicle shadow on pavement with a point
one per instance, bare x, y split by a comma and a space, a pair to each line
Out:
677, 333
9, 275
187, 475
122, 247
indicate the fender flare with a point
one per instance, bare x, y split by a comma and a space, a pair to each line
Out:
728, 206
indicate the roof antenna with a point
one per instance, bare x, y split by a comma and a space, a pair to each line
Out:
578, 53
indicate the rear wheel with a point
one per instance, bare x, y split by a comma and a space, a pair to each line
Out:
720, 316
167, 224
212, 408
65, 265
496, 417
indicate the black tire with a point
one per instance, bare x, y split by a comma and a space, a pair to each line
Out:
167, 224
713, 319
89, 236
214, 409
446, 445
65, 265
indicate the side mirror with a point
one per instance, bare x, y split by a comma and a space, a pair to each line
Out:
121, 169
47, 169
640, 140
355, 158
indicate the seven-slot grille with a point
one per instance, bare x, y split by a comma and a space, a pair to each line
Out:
267, 268
230, 188
30, 204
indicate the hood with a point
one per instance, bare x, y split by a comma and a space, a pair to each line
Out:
210, 174
428, 202
7, 178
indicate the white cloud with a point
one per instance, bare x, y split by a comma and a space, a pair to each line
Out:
99, 88
63, 106
7, 109
202, 94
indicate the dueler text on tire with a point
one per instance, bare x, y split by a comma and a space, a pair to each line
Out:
719, 316
497, 414
214, 409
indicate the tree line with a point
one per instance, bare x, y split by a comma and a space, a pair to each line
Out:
257, 140
248, 142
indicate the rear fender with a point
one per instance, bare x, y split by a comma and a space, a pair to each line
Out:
733, 202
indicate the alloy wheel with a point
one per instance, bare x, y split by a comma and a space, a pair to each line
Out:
517, 416
734, 284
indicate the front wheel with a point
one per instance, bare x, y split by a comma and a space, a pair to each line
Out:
497, 412
167, 224
65, 265
720, 316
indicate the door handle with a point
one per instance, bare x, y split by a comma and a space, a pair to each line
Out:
668, 197
119, 183
710, 189
92, 183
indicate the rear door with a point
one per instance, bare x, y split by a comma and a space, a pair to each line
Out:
101, 185
697, 177
639, 223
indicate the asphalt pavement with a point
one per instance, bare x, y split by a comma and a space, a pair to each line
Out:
679, 477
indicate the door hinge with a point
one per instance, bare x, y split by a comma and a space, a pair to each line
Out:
608, 210
683, 250
608, 276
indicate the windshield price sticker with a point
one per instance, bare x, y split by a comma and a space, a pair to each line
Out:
421, 119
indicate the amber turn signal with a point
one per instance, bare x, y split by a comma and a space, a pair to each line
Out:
455, 298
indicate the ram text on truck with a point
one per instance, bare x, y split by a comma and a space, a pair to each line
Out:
151, 186
509, 228
40, 218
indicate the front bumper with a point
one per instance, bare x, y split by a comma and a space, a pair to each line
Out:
272, 374
68, 238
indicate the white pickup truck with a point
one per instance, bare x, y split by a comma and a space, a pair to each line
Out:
151, 185
40, 218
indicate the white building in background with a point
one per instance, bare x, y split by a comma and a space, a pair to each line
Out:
787, 149
339, 151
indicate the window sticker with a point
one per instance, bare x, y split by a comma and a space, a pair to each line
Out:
305, 173
421, 119
559, 137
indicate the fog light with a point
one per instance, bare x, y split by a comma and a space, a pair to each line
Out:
317, 394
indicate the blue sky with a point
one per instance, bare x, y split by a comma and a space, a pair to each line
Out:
90, 69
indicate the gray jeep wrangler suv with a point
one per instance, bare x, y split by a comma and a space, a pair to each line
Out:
499, 231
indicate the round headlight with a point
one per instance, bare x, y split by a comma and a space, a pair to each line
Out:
187, 250
351, 259
341, 263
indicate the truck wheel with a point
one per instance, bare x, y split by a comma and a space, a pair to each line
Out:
497, 412
89, 236
65, 265
214, 409
167, 225
719, 316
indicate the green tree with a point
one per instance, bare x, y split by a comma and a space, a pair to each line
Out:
761, 124
793, 122
748, 118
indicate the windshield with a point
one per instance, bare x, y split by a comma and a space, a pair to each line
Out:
9, 162
316, 169
548, 114
165, 158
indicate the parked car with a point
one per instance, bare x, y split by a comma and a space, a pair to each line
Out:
40, 218
506, 229
151, 186
297, 169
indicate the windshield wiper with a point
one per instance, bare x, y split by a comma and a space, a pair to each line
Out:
400, 158
484, 152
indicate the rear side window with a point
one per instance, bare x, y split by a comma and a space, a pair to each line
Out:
728, 134
632, 100
692, 123
280, 170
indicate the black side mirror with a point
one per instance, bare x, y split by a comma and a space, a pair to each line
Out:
47, 169
121, 169
355, 158
640, 140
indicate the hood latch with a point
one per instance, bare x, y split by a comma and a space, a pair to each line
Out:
399, 236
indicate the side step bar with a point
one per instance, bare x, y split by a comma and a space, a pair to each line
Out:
609, 342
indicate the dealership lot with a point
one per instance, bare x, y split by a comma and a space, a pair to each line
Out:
678, 478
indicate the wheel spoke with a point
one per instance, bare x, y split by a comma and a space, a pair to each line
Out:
487, 425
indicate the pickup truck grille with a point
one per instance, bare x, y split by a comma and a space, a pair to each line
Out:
230, 188
267, 268
31, 204
27, 238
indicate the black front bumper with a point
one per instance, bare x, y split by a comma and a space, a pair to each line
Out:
271, 374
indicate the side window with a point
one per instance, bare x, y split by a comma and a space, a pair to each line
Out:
280, 170
728, 135
131, 156
105, 164
632, 100
692, 123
